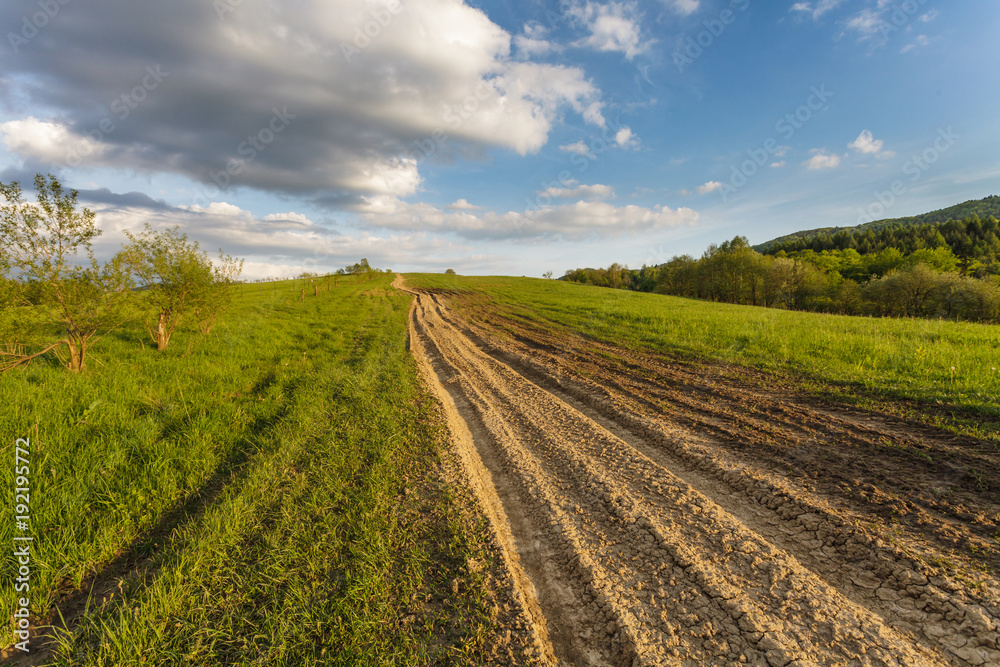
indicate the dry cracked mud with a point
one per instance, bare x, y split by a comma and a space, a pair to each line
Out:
651, 513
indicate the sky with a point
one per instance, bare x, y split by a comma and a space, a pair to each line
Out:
505, 137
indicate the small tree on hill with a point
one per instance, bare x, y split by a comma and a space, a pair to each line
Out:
41, 244
218, 296
178, 279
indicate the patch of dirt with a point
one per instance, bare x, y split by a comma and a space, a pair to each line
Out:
653, 512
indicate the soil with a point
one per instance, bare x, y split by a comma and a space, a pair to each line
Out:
657, 512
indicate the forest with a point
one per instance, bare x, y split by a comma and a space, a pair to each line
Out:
938, 270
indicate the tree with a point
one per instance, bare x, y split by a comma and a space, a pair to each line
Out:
449, 272
177, 279
41, 244
218, 295
547, 275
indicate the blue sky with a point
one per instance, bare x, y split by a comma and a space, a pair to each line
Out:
499, 137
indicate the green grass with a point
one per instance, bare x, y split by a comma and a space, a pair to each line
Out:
930, 361
258, 481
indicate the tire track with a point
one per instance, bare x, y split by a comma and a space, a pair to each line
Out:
631, 563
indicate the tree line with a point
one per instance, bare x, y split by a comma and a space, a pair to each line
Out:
927, 282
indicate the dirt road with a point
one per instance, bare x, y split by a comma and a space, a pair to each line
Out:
646, 517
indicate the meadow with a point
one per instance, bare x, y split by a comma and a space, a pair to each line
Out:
265, 495
933, 365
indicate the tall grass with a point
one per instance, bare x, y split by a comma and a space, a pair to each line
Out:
951, 363
253, 482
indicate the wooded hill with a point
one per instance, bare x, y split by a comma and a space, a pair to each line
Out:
945, 269
890, 232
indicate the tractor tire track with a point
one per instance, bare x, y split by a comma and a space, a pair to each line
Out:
633, 553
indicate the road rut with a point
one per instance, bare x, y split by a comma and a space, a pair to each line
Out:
634, 546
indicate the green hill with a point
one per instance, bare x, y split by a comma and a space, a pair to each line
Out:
983, 208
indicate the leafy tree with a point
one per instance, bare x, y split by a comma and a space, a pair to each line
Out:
218, 295
449, 272
177, 279
41, 245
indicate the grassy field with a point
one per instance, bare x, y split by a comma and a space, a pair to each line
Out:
928, 361
265, 495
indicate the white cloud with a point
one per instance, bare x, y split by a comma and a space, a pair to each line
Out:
778, 165
271, 246
613, 27
929, 16
48, 141
822, 7
867, 23
462, 205
822, 160
578, 148
577, 191
293, 219
918, 42
533, 47
684, 7
867, 144
582, 219
362, 113
625, 139
710, 186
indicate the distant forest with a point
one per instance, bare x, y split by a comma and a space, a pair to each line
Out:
897, 268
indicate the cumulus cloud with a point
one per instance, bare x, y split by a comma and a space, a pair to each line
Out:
533, 41
822, 160
867, 144
48, 141
577, 148
613, 27
624, 138
355, 113
276, 245
575, 190
579, 220
710, 186
462, 205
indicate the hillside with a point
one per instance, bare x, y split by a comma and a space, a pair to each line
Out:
984, 208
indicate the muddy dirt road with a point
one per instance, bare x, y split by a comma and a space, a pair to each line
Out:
651, 514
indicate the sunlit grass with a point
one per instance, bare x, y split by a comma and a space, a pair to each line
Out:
954, 363
256, 478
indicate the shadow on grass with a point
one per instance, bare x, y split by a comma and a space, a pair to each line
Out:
134, 563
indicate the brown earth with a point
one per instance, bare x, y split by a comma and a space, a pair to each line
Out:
653, 512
